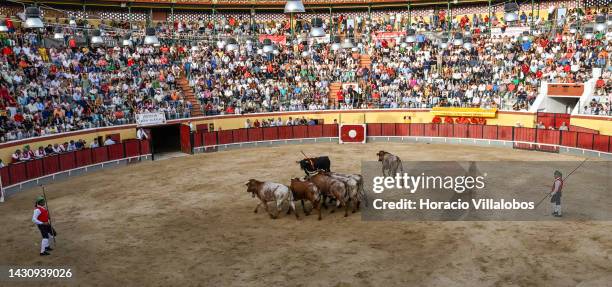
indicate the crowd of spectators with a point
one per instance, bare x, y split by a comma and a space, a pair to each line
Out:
27, 153
50, 90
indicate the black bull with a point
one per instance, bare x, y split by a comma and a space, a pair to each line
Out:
310, 165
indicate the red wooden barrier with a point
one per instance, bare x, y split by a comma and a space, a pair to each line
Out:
210, 138
132, 148
489, 132
585, 140
330, 130
300, 132
83, 157
388, 130
34, 168
285, 132
569, 138
4, 173
582, 130
417, 130
445, 130
240, 135
476, 131
145, 148
17, 172
68, 160
548, 137
315, 131
270, 133
115, 152
225, 137
255, 134
402, 130
100, 154
460, 131
374, 130
198, 139
431, 130
526, 135
504, 133
601, 143
184, 138
51, 164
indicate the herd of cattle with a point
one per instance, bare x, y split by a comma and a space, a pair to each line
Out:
318, 186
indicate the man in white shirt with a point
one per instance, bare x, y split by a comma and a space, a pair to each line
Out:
109, 141
141, 134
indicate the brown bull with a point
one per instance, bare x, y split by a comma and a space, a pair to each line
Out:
332, 187
270, 191
306, 190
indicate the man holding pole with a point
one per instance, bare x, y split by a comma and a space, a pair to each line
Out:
42, 220
555, 193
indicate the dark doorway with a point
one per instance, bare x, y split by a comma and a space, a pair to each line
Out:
165, 139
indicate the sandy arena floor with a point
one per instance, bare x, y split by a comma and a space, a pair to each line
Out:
189, 222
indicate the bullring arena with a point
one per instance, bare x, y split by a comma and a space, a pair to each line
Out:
165, 143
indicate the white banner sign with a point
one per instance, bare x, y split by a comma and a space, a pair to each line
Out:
148, 119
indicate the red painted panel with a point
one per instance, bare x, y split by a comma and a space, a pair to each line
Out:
34, 168
460, 131
202, 128
185, 135
504, 133
68, 160
210, 138
402, 130
285, 132
145, 147
431, 130
417, 129
585, 140
83, 157
330, 130
4, 173
476, 131
524, 134
116, 151
255, 134
315, 131
388, 129
582, 130
225, 137
547, 121
548, 137
17, 172
374, 130
240, 135
601, 143
198, 140
446, 130
300, 132
489, 132
100, 154
131, 148
270, 133
51, 163
116, 137
569, 138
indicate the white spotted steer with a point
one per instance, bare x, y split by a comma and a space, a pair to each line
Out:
270, 191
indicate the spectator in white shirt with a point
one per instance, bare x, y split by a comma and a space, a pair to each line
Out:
109, 141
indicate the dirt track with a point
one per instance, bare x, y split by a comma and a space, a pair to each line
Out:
189, 222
